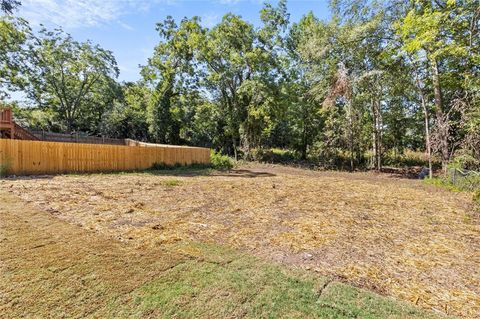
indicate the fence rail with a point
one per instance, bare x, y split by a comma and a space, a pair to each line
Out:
76, 138
20, 157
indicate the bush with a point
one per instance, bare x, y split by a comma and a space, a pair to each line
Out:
221, 162
274, 155
4, 168
465, 161
409, 158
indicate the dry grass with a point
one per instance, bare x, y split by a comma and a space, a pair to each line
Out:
52, 269
398, 237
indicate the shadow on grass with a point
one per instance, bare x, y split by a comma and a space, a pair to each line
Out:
243, 173
177, 171
404, 173
246, 173
25, 177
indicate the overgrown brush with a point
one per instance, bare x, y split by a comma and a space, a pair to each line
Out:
274, 155
220, 161
217, 161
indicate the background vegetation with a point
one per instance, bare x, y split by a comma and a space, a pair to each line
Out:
378, 79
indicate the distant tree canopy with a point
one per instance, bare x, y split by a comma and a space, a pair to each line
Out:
378, 78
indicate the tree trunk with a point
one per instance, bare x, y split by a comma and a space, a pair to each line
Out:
234, 144
428, 146
427, 139
377, 134
442, 122
350, 137
304, 141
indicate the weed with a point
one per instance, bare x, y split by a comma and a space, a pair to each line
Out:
171, 183
4, 168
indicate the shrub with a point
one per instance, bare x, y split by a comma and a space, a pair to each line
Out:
221, 162
465, 161
274, 155
4, 168
408, 158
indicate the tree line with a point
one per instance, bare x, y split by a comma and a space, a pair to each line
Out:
376, 79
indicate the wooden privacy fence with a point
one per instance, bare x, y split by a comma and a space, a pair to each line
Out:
38, 157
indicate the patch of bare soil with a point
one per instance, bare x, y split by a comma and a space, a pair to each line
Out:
396, 236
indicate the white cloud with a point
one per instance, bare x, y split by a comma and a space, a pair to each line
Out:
126, 26
81, 13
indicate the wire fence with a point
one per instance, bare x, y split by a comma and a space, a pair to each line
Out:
465, 179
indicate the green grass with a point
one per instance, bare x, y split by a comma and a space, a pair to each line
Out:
171, 183
218, 283
446, 183
442, 182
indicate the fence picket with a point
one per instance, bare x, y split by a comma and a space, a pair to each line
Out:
40, 157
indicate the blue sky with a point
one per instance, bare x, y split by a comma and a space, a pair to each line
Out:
127, 27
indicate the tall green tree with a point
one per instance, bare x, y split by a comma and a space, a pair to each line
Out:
171, 73
63, 75
128, 118
14, 34
441, 33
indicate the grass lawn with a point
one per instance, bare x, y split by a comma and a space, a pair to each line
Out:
261, 242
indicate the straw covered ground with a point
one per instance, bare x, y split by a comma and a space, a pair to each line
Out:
394, 236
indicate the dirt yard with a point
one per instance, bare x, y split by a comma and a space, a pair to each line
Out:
395, 236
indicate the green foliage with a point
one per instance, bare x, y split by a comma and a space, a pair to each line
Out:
4, 168
170, 71
128, 116
13, 36
408, 159
220, 162
274, 155
455, 181
38, 119
361, 90
476, 197
465, 161
222, 283
443, 182
73, 80
68, 77
171, 183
